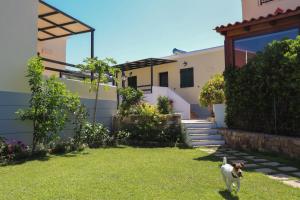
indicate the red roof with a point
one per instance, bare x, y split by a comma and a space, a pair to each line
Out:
279, 13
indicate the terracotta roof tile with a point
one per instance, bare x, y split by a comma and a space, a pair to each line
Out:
278, 12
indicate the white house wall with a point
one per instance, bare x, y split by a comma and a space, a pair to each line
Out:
18, 43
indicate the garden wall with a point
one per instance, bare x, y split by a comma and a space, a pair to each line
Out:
289, 146
11, 128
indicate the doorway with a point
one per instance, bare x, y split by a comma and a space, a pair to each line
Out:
132, 82
163, 79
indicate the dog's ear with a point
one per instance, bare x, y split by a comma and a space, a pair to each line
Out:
242, 164
234, 164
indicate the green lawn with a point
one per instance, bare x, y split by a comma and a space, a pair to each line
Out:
132, 173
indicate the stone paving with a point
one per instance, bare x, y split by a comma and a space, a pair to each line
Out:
288, 169
265, 170
272, 164
274, 170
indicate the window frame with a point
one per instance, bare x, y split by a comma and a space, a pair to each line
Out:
159, 77
184, 85
256, 35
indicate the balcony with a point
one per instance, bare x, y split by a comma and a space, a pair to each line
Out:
54, 27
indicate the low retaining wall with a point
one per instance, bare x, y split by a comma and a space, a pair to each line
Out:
288, 146
173, 119
13, 129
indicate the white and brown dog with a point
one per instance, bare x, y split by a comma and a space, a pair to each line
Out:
232, 174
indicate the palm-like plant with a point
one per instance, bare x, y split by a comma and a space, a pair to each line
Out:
103, 71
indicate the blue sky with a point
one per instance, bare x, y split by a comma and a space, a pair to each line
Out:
129, 30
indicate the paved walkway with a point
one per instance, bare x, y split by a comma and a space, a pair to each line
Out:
275, 170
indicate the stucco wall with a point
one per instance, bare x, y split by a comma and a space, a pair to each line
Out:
55, 50
206, 63
253, 9
18, 41
13, 129
10, 102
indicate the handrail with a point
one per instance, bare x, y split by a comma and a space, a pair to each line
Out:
143, 86
64, 71
58, 62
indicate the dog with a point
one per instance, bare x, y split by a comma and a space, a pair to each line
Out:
232, 174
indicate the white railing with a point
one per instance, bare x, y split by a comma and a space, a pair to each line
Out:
180, 105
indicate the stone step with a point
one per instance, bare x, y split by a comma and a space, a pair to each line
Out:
198, 143
197, 124
205, 137
201, 131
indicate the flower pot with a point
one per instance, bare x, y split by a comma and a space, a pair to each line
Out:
219, 111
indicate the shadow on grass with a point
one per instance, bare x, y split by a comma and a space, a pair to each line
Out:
210, 157
228, 195
42, 158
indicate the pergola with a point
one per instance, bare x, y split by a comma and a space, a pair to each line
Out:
149, 62
54, 23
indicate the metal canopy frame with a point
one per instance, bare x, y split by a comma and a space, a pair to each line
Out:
54, 27
149, 62
54, 23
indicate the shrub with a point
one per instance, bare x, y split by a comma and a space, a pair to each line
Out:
264, 95
65, 146
149, 126
13, 150
213, 91
80, 120
122, 136
163, 105
50, 105
97, 135
130, 99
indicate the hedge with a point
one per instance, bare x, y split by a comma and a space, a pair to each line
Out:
264, 95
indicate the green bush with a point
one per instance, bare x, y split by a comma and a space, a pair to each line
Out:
51, 104
13, 150
97, 135
65, 146
80, 120
130, 99
163, 105
264, 95
149, 126
213, 91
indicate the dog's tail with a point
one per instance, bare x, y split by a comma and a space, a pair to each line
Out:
224, 160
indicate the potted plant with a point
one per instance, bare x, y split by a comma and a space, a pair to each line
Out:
212, 96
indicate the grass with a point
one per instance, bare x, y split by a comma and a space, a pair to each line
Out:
132, 173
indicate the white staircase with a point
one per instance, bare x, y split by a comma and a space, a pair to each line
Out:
180, 105
201, 133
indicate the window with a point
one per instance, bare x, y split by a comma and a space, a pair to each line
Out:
163, 79
261, 2
187, 77
132, 82
245, 49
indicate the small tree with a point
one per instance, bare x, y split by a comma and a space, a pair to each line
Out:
50, 104
164, 105
213, 91
102, 69
130, 99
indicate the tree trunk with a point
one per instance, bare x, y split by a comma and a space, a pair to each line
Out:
96, 100
33, 138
